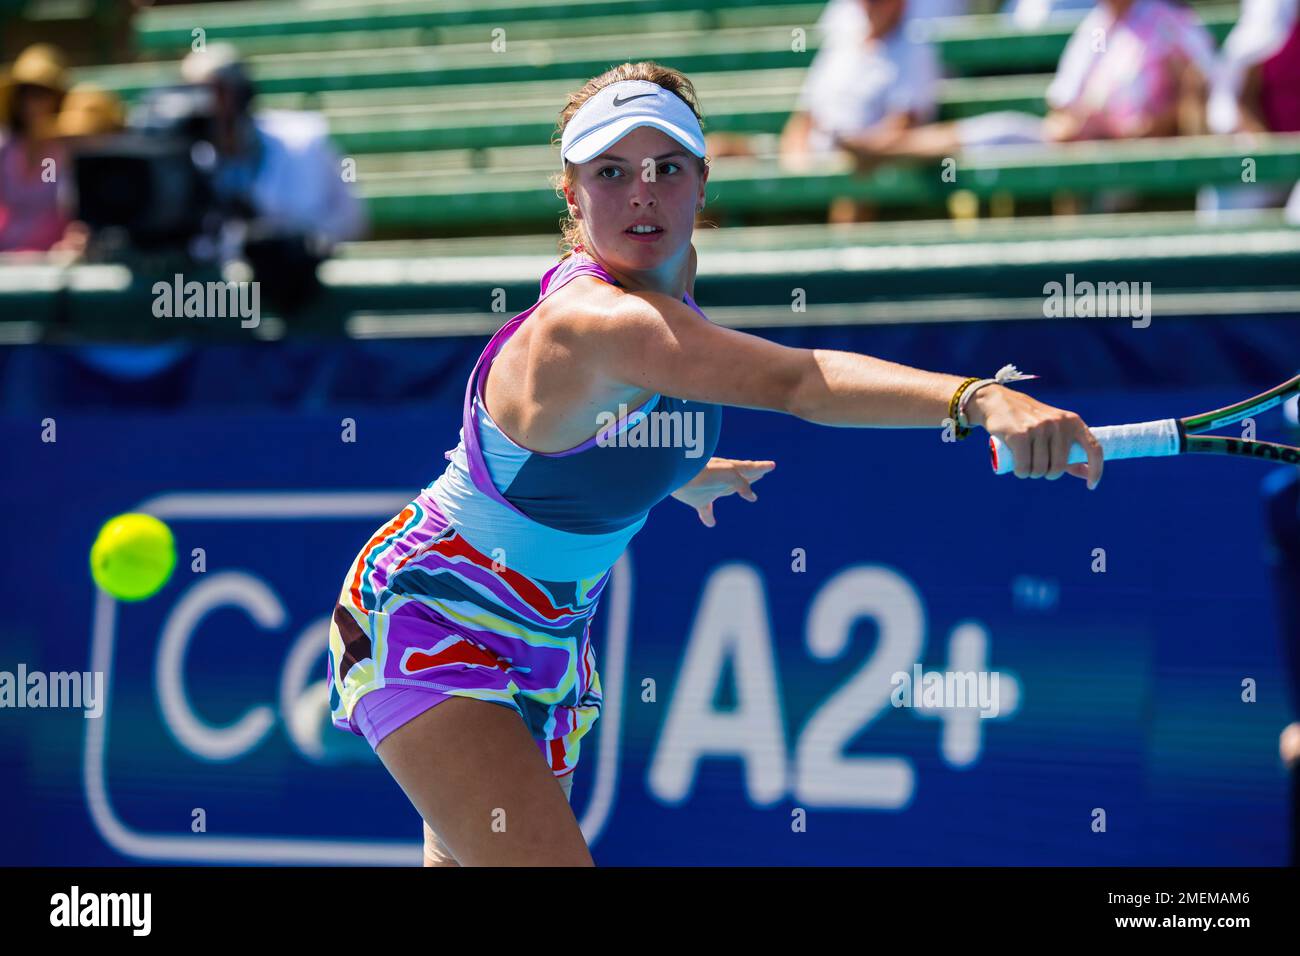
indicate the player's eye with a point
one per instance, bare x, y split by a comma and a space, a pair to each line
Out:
676, 166
606, 169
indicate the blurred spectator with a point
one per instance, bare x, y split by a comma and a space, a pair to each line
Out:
88, 113
846, 19
1256, 90
1036, 14
31, 160
882, 73
278, 165
1131, 69
883, 80
279, 180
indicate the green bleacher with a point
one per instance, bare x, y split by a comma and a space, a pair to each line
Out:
487, 116
968, 44
456, 197
451, 139
445, 131
951, 271
579, 48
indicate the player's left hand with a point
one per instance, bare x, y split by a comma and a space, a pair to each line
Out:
719, 478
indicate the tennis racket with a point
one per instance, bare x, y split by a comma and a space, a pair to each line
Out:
1179, 436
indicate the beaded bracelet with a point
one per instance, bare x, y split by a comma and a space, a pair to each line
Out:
961, 432
968, 388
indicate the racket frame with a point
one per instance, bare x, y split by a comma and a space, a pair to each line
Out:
1192, 441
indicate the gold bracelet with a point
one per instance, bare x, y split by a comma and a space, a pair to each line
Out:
952, 406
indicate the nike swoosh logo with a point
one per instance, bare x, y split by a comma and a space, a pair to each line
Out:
629, 99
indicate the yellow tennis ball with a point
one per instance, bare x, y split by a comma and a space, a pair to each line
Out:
133, 556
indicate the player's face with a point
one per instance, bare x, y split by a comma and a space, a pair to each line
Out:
647, 176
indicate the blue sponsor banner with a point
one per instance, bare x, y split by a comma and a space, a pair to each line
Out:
749, 669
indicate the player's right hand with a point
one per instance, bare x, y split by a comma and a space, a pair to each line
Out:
1038, 435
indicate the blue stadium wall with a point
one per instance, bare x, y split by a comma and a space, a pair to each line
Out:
746, 720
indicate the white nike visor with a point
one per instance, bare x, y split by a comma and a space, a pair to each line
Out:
620, 108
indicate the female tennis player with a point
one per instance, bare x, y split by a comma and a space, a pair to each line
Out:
471, 609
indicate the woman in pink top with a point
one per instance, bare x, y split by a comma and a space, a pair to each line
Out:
1258, 88
1256, 91
31, 159
1131, 69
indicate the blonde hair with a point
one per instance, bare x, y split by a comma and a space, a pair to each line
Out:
572, 235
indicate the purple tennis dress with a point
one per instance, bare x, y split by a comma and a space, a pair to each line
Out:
485, 585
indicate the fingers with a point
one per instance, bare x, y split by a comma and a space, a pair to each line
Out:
1021, 453
1091, 470
1059, 447
742, 488
743, 472
754, 470
736, 478
1095, 456
1043, 449
1040, 454
1051, 449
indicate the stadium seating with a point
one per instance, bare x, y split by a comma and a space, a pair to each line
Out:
967, 44
458, 197
452, 139
879, 272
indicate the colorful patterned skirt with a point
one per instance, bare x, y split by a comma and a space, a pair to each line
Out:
424, 616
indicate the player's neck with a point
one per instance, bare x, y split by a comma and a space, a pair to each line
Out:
669, 279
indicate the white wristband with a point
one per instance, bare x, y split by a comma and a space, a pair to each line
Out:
1007, 373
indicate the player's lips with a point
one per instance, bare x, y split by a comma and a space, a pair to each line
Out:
645, 230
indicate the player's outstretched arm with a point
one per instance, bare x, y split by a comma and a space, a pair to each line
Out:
651, 341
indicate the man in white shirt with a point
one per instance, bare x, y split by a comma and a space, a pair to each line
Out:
847, 20
278, 180
883, 78
277, 163
868, 81
877, 83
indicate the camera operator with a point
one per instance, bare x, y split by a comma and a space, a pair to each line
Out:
277, 179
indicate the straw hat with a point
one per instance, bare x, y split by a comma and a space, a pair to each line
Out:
39, 65
89, 111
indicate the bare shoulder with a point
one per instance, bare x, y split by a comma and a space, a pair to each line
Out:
568, 332
646, 341
589, 315
581, 303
